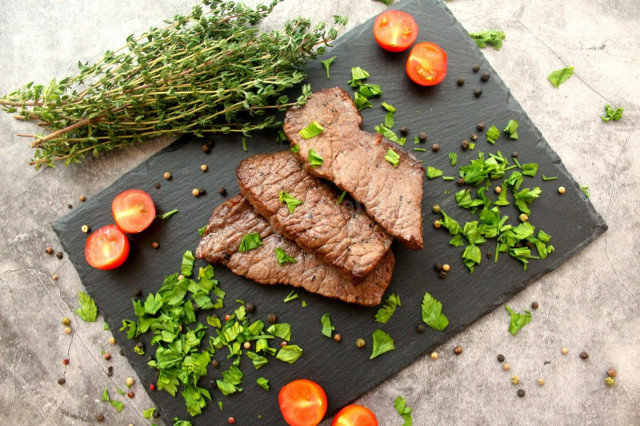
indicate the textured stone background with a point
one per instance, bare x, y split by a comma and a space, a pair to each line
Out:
591, 303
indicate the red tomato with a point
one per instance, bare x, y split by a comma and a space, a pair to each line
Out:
302, 403
107, 248
395, 30
133, 210
355, 415
427, 64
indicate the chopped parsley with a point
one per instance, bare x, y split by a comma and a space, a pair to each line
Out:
433, 173
289, 353
493, 38
115, 404
512, 129
148, 413
250, 242
314, 159
549, 177
420, 149
389, 119
341, 197
290, 201
262, 382
382, 343
283, 257
453, 158
327, 63
244, 144
585, 190
88, 310
361, 102
357, 75
432, 313
167, 215
517, 320
392, 157
291, 296
327, 327
404, 410
312, 130
281, 330
493, 134
558, 77
187, 263
390, 134
202, 230
385, 312
530, 169
295, 149
611, 114
370, 90
229, 383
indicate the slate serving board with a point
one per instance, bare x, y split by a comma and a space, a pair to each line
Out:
448, 114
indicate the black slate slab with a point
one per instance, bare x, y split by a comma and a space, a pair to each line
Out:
449, 114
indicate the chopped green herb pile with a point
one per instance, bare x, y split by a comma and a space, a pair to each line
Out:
612, 114
493, 38
432, 313
312, 130
517, 320
88, 310
382, 343
385, 312
558, 77
404, 410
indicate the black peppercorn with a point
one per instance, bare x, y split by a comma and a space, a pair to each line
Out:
420, 328
59, 255
485, 76
138, 293
461, 82
110, 371
477, 93
156, 414
404, 130
442, 275
465, 144
70, 206
140, 345
480, 126
100, 418
489, 255
250, 307
473, 137
213, 384
61, 381
500, 358
476, 68
515, 154
521, 393
438, 267
584, 355
215, 363
272, 318
158, 185
460, 181
435, 147
422, 137
222, 191
534, 305
206, 148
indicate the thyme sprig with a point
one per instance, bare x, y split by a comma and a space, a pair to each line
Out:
211, 71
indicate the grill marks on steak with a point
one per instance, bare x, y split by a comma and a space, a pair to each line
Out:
235, 218
354, 161
341, 235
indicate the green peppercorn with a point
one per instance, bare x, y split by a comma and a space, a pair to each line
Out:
85, 228
66, 321
436, 208
515, 380
609, 381
360, 343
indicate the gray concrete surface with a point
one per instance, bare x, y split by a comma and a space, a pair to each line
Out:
589, 304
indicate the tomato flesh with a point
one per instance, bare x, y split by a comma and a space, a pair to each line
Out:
133, 210
107, 248
395, 30
302, 403
427, 64
355, 415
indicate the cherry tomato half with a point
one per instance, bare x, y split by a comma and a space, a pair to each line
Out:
355, 415
427, 64
302, 403
395, 30
133, 210
107, 248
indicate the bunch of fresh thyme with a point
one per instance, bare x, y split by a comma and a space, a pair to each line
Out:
211, 71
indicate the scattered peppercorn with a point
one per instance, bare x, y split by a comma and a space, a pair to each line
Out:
337, 337
438, 266
521, 393
222, 191
565, 351
446, 267
497, 189
436, 224
204, 167
436, 208
442, 275
540, 381
461, 82
404, 130
485, 76
534, 305
156, 413
250, 307
195, 192
283, 343
227, 317
473, 137
481, 126
611, 373
420, 328
477, 92
167, 175
215, 363
460, 181
231, 420
112, 341
457, 350
422, 137
155, 245
465, 144
158, 185
360, 343
476, 68
65, 361
59, 255
130, 381
246, 345
583, 355
489, 255
85, 228
523, 217
100, 418
206, 148
272, 318
61, 381
515, 154
500, 358
562, 190
138, 292
609, 381
70, 206
515, 380
213, 384
54, 277
110, 371
435, 147
506, 367
107, 356
434, 355
48, 250
131, 394
152, 386
67, 330
82, 198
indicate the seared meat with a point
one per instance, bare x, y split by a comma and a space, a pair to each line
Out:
355, 161
342, 235
235, 218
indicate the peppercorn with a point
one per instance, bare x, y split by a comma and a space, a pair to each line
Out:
540, 381
69, 206
157, 185
561, 190
246, 345
167, 175
48, 250
110, 371
107, 356
434, 355
609, 381
59, 255
515, 154
85, 228
222, 191
442, 275
465, 144
422, 137
112, 341
473, 137
138, 292
436, 224
521, 393
130, 381
420, 328
61, 381
213, 384
457, 350
404, 130
481, 126
54, 277
515, 380
476, 68
337, 337
611, 373
152, 386
82, 198
360, 343
438, 267
227, 317
489, 255
446, 267
231, 420
100, 418
435, 147
68, 330
583, 355
565, 351
272, 318
461, 82
436, 208
206, 148
195, 192
156, 413
534, 305
180, 277
283, 344
204, 167
460, 181
477, 92
215, 363
485, 76
131, 394
523, 217
250, 307
66, 321
500, 358
497, 189
65, 361
506, 367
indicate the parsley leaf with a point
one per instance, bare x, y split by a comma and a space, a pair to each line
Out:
284, 257
257, 360
432, 313
382, 343
370, 90
289, 353
558, 77
295, 149
517, 320
493, 134
250, 242
453, 158
512, 129
327, 63
384, 313
530, 169
202, 230
390, 134
392, 157
327, 327
433, 173
361, 102
526, 197
611, 114
357, 75
281, 330
115, 404
263, 383
187, 263
404, 410
491, 37
291, 201
312, 130
314, 159
148, 413
88, 310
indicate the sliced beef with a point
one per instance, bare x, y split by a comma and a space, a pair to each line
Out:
355, 161
341, 234
235, 218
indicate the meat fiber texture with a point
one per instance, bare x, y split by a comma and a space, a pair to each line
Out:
354, 160
235, 218
342, 234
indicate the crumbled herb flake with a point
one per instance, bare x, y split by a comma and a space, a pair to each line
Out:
327, 327
357, 75
202, 230
341, 197
167, 215
453, 158
361, 102
290, 201
314, 159
289, 353
283, 257
512, 129
546, 178
187, 263
291, 296
404, 410
558, 77
392, 157
493, 38
262, 382
250, 242
517, 320
387, 310
312, 130
493, 134
585, 190
244, 144
611, 114
390, 134
433, 173
88, 310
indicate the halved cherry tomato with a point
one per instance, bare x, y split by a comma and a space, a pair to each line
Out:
395, 30
133, 210
107, 248
427, 64
355, 415
302, 403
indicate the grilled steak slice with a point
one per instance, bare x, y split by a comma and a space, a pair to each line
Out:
235, 218
340, 234
355, 161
